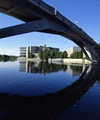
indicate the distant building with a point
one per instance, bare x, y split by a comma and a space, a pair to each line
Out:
72, 50
25, 51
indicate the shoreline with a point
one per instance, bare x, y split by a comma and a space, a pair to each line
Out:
63, 61
75, 61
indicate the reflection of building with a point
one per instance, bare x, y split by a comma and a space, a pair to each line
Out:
43, 68
29, 67
72, 50
73, 70
25, 51
23, 66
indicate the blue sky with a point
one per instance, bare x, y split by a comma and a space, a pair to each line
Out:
86, 12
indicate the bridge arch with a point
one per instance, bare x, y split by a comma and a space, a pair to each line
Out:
40, 17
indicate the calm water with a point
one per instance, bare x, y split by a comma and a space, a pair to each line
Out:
41, 91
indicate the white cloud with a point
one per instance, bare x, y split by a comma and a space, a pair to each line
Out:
9, 51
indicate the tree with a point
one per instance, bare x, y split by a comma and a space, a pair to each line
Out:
46, 54
51, 54
65, 54
99, 44
57, 55
40, 54
60, 55
74, 55
78, 54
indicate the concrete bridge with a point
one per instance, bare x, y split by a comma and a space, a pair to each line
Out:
40, 17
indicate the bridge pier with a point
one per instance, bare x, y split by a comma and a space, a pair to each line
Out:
85, 53
90, 50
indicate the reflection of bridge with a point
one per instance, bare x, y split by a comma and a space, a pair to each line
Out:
41, 17
48, 106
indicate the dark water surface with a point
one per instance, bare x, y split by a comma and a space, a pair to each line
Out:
42, 91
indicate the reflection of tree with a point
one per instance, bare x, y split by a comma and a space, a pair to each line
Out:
31, 64
47, 107
76, 68
45, 67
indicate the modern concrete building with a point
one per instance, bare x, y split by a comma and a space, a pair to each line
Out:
23, 51
33, 50
72, 50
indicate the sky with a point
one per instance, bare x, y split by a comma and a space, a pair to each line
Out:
84, 13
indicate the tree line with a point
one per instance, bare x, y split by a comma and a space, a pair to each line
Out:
78, 54
7, 58
44, 67
53, 54
46, 54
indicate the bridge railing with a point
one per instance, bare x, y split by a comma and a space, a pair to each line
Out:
52, 11
72, 25
42, 5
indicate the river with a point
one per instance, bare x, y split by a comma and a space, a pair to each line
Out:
47, 91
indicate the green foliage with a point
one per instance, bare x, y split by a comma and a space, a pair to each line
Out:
12, 58
99, 44
40, 54
52, 54
76, 68
78, 54
46, 54
7, 58
44, 67
65, 54
60, 55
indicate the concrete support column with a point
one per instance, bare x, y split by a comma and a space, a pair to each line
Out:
91, 51
85, 53
81, 45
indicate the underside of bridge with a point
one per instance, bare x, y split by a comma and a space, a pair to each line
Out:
40, 17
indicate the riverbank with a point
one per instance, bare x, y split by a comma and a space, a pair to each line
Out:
68, 60
8, 58
63, 61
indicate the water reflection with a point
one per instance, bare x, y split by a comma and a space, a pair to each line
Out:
44, 67
76, 68
41, 67
48, 106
